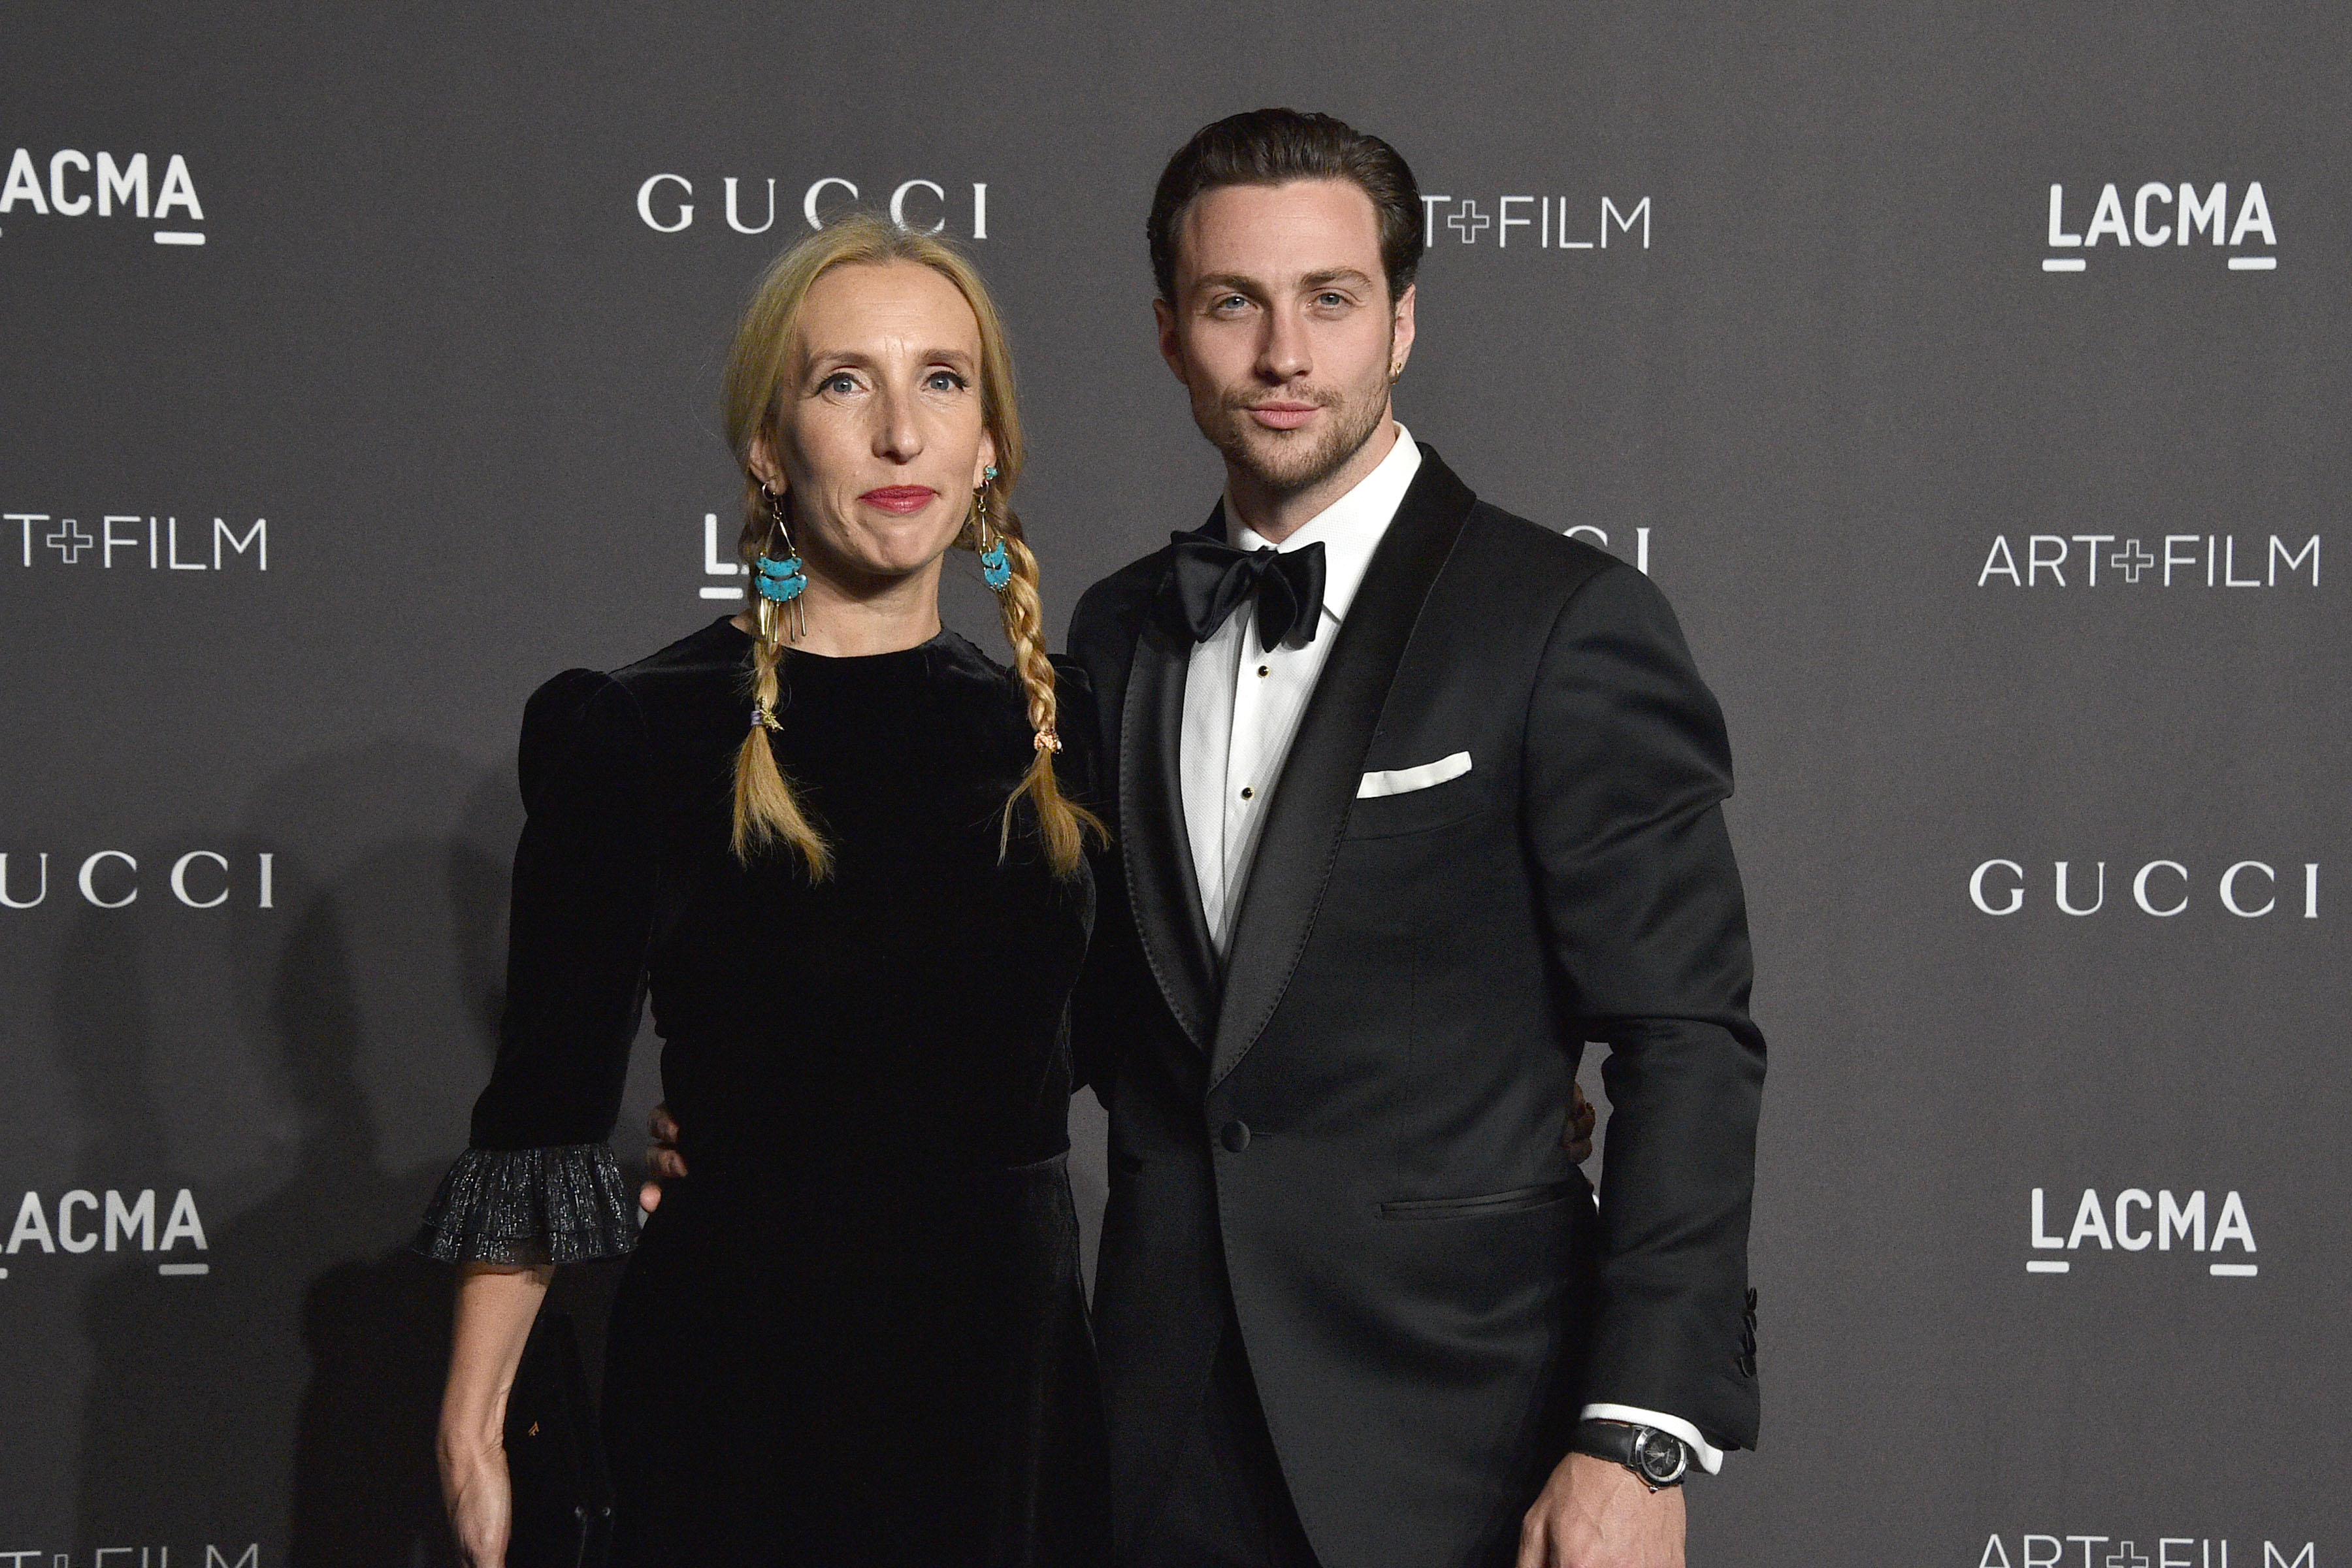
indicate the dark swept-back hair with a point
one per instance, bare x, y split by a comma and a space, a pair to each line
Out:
1272, 147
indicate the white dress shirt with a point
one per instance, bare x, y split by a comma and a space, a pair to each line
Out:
1243, 701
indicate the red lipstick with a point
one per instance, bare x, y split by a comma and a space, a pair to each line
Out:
903, 499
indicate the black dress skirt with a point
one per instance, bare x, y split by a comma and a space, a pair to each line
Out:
855, 1333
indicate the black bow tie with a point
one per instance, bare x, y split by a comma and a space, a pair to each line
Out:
1213, 578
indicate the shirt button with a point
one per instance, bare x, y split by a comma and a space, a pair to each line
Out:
1247, 791
1235, 1137
1265, 669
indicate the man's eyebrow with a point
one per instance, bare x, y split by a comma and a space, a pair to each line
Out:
1233, 282
1240, 283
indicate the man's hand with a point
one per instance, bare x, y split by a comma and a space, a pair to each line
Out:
1577, 1134
1595, 1513
665, 1164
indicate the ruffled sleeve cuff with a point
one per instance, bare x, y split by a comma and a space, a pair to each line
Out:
565, 1204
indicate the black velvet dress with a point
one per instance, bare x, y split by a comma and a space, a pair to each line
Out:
855, 1333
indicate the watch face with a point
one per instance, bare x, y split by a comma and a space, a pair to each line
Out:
1660, 1454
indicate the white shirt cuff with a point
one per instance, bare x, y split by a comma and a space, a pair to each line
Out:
1710, 1457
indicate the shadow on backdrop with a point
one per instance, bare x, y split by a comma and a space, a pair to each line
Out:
288, 1397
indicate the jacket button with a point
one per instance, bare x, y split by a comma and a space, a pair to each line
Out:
1236, 1136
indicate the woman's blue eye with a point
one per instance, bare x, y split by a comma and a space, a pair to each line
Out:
952, 380
843, 382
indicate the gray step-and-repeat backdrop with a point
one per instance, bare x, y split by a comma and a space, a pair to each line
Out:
1973, 378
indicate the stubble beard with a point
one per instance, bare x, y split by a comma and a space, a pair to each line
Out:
1289, 462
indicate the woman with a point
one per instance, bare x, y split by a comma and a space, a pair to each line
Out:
829, 840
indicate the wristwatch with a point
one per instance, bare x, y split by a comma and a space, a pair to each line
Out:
1659, 1458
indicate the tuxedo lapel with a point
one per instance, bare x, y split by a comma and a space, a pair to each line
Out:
1162, 887
1310, 812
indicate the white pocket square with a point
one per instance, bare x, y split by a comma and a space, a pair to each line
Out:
1401, 781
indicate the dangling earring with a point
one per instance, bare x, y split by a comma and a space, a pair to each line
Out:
780, 581
995, 569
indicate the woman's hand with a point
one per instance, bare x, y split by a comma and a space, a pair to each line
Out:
1577, 1136
479, 1499
663, 1162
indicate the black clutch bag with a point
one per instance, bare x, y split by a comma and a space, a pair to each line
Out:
555, 1458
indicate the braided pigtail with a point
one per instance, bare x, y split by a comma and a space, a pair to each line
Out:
766, 810
1064, 827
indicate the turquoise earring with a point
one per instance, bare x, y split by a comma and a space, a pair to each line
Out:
996, 570
782, 581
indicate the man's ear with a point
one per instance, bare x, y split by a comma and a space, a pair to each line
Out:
1170, 350
1400, 348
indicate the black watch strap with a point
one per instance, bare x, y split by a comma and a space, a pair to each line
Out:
1659, 1458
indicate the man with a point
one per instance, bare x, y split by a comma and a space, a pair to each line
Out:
1412, 797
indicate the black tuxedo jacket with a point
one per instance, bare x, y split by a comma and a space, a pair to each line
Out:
1354, 1124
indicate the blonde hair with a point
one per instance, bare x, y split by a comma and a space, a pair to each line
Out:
767, 810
